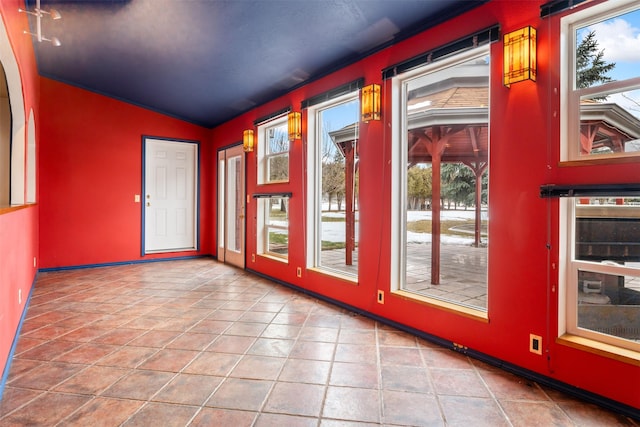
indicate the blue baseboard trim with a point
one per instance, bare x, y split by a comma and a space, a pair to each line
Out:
568, 389
119, 263
16, 338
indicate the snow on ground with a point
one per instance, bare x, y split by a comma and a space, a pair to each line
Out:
444, 239
335, 231
448, 215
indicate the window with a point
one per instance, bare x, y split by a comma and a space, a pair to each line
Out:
602, 83
5, 141
274, 225
31, 160
273, 152
600, 271
603, 279
333, 185
12, 127
440, 182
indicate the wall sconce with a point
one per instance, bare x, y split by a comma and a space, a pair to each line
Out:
294, 121
39, 13
520, 56
370, 101
247, 140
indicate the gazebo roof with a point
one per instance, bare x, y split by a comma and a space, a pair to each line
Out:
345, 135
615, 128
460, 112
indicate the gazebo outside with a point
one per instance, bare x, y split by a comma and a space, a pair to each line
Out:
447, 124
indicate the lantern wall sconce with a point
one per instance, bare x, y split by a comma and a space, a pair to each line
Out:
39, 13
294, 121
520, 56
247, 140
370, 102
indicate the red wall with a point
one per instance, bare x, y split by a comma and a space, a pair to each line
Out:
91, 168
18, 246
524, 155
18, 226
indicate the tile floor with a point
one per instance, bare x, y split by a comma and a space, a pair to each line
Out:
200, 343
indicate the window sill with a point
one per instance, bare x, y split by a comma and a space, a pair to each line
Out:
461, 310
9, 209
272, 183
601, 160
601, 349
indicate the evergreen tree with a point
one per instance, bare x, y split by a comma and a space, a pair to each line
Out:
591, 69
458, 184
418, 186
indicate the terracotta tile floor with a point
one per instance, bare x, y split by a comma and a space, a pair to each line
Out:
200, 343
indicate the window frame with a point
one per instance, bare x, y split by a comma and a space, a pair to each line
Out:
399, 160
570, 95
569, 332
264, 227
568, 273
264, 152
314, 182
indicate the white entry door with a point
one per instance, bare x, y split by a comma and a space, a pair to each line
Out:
231, 206
170, 199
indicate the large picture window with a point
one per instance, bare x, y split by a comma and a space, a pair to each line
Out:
333, 183
602, 82
440, 188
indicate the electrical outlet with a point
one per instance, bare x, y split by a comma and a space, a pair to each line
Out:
19, 296
299, 271
34, 261
253, 257
535, 344
380, 297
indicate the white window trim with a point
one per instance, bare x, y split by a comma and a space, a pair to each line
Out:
314, 182
263, 151
399, 172
31, 159
568, 287
570, 97
263, 231
18, 123
568, 331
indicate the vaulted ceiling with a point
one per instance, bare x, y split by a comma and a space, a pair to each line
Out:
207, 61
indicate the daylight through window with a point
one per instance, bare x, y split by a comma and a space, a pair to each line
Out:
443, 170
335, 180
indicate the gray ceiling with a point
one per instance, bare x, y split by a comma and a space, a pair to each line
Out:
207, 61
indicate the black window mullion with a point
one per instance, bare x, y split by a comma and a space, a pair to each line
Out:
589, 190
334, 93
480, 38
